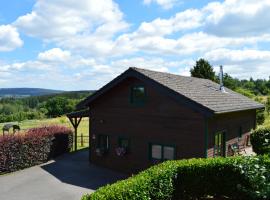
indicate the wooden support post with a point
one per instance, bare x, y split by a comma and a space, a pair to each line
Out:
75, 123
81, 139
75, 139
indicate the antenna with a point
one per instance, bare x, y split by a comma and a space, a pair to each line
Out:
222, 89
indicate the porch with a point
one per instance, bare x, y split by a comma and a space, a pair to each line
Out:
75, 119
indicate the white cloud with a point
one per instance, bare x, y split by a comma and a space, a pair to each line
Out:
238, 56
55, 54
95, 32
79, 25
153, 63
102, 73
196, 31
165, 4
9, 38
186, 45
182, 21
242, 63
60, 19
234, 18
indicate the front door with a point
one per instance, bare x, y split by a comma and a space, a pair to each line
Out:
220, 144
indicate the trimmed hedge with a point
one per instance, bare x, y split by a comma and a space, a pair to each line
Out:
233, 178
33, 147
260, 140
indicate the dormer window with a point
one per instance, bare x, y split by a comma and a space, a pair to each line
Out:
137, 95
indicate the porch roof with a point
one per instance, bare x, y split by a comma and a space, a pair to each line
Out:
78, 113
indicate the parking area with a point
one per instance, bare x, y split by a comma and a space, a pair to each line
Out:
66, 178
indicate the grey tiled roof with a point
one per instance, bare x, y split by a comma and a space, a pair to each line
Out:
203, 92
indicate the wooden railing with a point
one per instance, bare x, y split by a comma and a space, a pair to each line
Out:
82, 141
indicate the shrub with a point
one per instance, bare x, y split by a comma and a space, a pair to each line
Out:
260, 116
245, 92
260, 140
234, 178
33, 147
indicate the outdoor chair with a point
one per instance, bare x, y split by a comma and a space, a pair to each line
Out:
242, 144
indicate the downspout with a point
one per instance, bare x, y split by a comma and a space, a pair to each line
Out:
90, 135
205, 136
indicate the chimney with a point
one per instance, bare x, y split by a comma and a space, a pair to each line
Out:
222, 89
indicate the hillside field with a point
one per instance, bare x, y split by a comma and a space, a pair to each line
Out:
82, 129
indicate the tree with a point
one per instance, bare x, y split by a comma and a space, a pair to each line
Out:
230, 82
267, 105
203, 69
58, 106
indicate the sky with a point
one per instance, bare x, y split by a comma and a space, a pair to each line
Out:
81, 45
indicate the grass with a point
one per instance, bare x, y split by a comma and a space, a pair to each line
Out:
83, 128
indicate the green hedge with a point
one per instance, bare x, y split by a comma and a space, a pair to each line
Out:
233, 178
260, 140
33, 147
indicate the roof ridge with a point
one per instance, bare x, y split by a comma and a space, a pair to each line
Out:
169, 73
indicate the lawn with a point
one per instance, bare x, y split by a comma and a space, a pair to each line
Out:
83, 128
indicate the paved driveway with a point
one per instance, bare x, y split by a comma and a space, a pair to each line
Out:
66, 178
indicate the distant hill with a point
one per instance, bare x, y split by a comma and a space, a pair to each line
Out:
18, 104
81, 94
24, 92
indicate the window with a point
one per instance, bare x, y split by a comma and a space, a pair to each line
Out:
156, 152
137, 95
168, 153
123, 142
219, 144
103, 142
162, 152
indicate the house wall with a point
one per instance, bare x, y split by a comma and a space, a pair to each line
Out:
230, 123
161, 121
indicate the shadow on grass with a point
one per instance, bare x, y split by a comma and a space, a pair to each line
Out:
75, 169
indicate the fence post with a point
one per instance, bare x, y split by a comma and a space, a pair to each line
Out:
81, 139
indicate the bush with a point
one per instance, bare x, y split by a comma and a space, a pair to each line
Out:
260, 140
260, 117
233, 178
245, 92
33, 147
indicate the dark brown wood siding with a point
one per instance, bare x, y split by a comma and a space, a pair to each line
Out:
230, 123
161, 121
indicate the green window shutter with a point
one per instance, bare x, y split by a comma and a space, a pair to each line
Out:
220, 143
240, 132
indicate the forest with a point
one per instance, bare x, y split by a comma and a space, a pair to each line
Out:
39, 107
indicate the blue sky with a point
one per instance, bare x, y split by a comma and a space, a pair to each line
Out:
76, 45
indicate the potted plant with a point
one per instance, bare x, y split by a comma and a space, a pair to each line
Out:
120, 151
